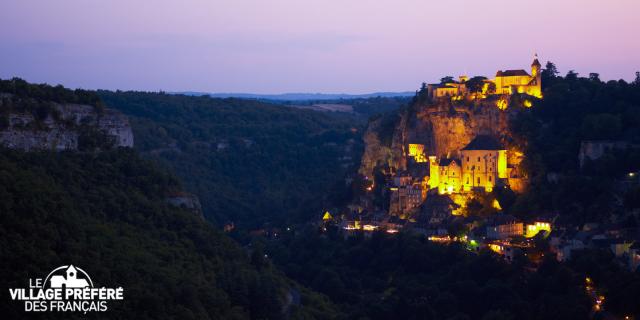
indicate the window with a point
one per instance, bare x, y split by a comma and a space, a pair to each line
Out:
489, 178
478, 159
478, 180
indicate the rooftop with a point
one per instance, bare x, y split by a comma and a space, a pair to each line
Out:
447, 161
484, 142
511, 73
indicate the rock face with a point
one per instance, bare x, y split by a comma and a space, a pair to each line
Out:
64, 130
187, 201
376, 152
443, 128
447, 130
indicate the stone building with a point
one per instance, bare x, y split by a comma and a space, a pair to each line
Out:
483, 162
505, 82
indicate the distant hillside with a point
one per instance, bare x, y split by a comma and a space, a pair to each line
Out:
125, 220
365, 107
300, 96
250, 162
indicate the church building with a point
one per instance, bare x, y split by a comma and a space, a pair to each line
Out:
481, 165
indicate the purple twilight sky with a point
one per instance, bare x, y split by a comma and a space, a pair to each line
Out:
274, 46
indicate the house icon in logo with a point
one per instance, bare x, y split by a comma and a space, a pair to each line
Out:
70, 280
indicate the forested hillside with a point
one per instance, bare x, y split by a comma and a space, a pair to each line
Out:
405, 276
250, 162
574, 110
107, 213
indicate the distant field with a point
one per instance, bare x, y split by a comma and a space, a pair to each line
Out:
327, 107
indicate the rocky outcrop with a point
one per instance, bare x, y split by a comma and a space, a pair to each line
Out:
443, 127
186, 201
63, 128
446, 129
375, 152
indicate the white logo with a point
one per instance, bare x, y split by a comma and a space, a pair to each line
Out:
70, 280
65, 289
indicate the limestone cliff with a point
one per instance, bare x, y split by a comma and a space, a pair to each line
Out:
443, 128
55, 126
383, 142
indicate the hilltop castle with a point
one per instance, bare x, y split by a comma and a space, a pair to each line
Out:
505, 83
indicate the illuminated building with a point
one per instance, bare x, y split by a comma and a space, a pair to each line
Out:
417, 152
534, 228
505, 226
483, 163
369, 227
506, 82
448, 89
445, 174
402, 180
519, 81
406, 197
497, 248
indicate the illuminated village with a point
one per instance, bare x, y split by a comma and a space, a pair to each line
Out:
430, 193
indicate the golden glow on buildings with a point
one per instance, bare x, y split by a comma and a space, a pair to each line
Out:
533, 229
476, 169
505, 83
417, 152
439, 238
369, 227
496, 248
356, 225
502, 164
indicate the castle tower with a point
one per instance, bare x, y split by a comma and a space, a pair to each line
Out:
537, 74
535, 66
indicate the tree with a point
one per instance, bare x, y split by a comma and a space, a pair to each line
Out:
571, 75
601, 126
447, 79
637, 81
491, 88
550, 70
423, 94
475, 84
549, 74
595, 77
